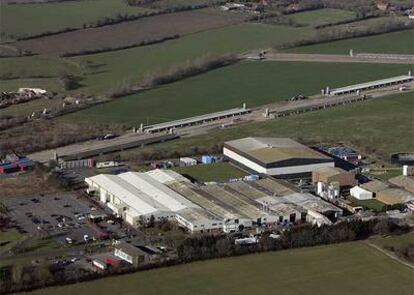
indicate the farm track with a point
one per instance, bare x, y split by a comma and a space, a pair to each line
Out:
390, 255
390, 59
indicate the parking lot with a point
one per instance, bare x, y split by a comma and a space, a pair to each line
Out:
61, 215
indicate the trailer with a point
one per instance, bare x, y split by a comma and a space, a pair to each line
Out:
99, 264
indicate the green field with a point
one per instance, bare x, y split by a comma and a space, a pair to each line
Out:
29, 19
369, 204
50, 84
377, 127
218, 172
400, 42
10, 238
395, 241
255, 83
132, 65
322, 16
352, 268
106, 72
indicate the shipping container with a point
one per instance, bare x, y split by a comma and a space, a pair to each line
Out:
206, 159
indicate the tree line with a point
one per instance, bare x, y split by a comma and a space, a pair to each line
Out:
201, 247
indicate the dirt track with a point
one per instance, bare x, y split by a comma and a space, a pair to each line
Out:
394, 59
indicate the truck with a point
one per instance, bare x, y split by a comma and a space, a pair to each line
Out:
107, 164
99, 264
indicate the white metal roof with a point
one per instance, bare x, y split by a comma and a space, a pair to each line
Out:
127, 193
195, 119
356, 87
359, 190
157, 191
311, 202
167, 176
188, 160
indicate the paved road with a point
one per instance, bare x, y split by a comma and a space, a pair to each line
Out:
94, 147
359, 58
255, 116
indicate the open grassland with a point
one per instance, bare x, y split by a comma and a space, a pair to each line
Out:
30, 19
51, 84
255, 83
379, 127
395, 241
369, 204
162, 4
108, 72
27, 108
336, 269
322, 16
10, 238
35, 66
35, 71
400, 42
218, 172
130, 33
128, 66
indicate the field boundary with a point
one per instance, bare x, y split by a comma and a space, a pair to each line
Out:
389, 254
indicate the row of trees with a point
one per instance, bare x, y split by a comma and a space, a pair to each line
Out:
200, 247
343, 32
212, 246
175, 73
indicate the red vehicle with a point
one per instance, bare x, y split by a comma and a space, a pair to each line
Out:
113, 262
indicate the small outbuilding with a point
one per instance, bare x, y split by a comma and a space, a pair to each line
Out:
131, 254
359, 193
188, 161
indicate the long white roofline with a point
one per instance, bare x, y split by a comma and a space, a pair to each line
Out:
127, 193
366, 85
158, 191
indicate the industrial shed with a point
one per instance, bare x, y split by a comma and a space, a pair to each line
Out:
371, 85
275, 156
394, 196
138, 196
406, 182
361, 194
333, 174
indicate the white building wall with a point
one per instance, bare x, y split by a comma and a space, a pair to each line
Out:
298, 169
275, 171
360, 193
242, 160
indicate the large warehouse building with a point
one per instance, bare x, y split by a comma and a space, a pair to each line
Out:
275, 156
166, 194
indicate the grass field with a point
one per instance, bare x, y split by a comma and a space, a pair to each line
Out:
35, 71
370, 204
377, 127
131, 33
218, 172
29, 19
10, 238
322, 16
400, 42
26, 109
132, 65
255, 83
107, 72
395, 241
51, 84
337, 269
